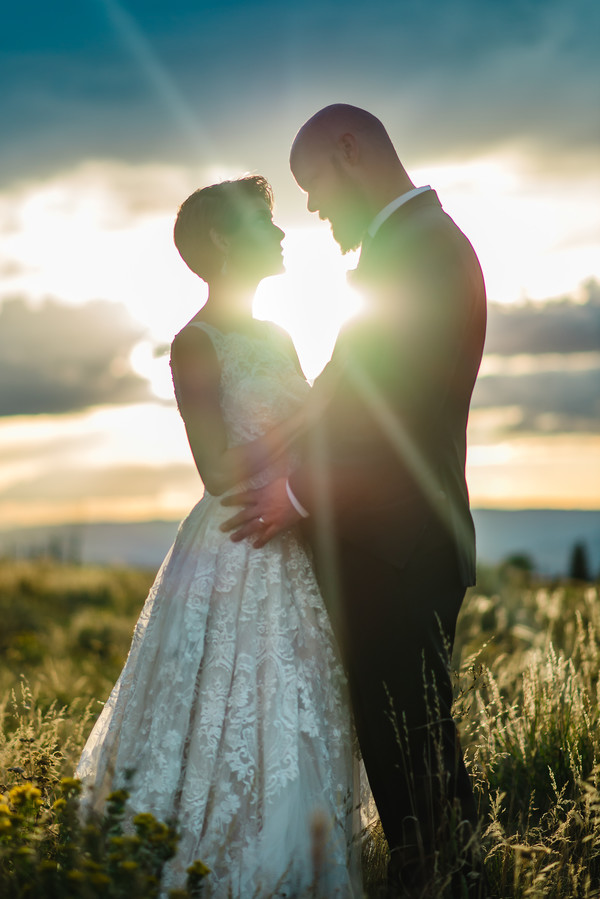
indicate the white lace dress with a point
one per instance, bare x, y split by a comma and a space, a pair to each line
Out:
231, 713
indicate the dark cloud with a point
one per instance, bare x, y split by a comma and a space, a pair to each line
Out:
454, 77
547, 401
193, 80
561, 326
544, 360
58, 358
518, 73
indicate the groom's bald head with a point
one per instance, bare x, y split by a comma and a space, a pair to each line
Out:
328, 125
343, 158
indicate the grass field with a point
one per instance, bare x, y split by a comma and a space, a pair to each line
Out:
527, 665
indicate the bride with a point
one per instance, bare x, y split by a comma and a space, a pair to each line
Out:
230, 715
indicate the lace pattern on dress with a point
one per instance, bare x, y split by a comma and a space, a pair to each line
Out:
231, 713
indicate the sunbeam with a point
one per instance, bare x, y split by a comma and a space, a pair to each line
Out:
158, 77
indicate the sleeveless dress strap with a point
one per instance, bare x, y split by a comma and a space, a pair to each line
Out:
210, 329
217, 337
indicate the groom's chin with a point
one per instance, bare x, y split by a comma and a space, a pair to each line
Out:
347, 239
347, 244
348, 249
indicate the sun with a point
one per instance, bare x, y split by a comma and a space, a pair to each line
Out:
313, 299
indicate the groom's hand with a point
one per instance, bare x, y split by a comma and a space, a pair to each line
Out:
266, 512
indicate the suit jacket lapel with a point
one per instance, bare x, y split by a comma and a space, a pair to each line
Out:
403, 217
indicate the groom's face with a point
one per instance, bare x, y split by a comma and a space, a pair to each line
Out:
332, 193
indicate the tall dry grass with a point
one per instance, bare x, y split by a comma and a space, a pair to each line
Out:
527, 664
528, 705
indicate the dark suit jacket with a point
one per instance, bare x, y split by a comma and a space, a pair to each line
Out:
384, 466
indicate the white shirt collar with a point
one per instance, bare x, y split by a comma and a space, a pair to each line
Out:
388, 210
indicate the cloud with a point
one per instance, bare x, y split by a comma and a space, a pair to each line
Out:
112, 194
560, 326
140, 82
541, 368
543, 402
102, 230
57, 358
513, 74
115, 481
10, 268
110, 493
128, 461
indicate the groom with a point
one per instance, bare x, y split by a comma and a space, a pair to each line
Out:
382, 481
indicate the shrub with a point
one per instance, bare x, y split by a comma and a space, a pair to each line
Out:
47, 851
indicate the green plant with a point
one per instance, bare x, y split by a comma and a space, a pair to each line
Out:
47, 851
527, 664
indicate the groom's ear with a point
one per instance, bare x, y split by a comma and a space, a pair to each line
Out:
221, 241
348, 147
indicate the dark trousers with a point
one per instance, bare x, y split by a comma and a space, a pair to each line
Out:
396, 629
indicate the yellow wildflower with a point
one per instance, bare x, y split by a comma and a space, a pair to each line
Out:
47, 864
23, 793
70, 785
75, 874
145, 821
198, 869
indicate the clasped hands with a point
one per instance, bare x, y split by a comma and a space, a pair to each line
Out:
266, 512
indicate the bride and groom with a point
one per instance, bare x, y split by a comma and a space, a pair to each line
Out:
232, 713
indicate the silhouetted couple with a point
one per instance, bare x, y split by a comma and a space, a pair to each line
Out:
232, 709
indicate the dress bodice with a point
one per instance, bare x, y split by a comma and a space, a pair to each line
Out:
259, 387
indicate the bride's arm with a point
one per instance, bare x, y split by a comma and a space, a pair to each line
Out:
196, 372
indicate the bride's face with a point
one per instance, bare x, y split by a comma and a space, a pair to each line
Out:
255, 246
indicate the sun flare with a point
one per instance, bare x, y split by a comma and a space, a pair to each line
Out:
313, 299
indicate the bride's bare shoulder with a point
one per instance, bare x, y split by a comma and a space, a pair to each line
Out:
193, 347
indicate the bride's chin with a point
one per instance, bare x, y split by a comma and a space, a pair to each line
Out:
271, 268
277, 270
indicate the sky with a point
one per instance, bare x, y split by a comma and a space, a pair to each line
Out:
113, 112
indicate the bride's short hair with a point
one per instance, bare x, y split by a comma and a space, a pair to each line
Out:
217, 207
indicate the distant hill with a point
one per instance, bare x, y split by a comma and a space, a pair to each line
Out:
547, 536
138, 543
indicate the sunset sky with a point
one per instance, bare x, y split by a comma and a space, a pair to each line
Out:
113, 112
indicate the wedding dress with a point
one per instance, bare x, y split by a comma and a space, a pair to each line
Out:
231, 714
